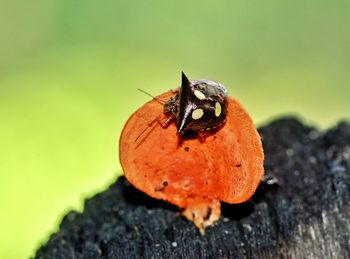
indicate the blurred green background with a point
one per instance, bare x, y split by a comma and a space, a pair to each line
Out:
69, 71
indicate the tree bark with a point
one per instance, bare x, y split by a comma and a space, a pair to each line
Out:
305, 215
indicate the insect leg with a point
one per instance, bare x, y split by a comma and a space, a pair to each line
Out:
202, 135
175, 91
165, 122
148, 126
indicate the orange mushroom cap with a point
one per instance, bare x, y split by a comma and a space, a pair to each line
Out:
192, 174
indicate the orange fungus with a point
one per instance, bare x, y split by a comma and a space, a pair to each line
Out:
191, 173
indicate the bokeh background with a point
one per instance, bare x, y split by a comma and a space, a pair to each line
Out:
69, 71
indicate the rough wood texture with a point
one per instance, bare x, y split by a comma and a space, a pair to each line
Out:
305, 215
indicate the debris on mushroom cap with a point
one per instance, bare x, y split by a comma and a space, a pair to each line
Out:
192, 174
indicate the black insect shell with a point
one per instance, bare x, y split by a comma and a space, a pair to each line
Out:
199, 105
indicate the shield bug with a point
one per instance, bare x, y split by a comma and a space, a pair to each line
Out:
195, 175
199, 105
198, 108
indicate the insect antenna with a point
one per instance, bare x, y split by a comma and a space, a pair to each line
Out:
154, 98
153, 121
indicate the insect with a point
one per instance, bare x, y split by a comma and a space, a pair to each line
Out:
198, 107
196, 175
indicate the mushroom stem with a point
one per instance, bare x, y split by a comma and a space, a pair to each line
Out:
202, 212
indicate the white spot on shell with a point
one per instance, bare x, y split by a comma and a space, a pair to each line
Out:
217, 109
197, 114
199, 95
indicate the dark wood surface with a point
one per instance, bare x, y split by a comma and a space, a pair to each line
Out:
305, 215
